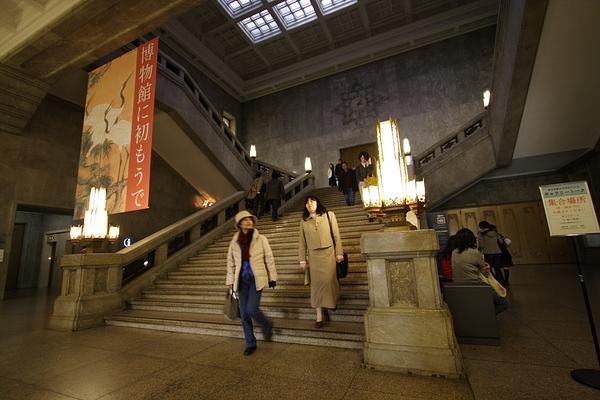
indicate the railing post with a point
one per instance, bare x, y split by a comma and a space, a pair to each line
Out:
160, 254
90, 290
195, 233
221, 218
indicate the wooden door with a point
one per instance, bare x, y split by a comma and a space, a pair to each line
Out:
14, 264
524, 223
350, 154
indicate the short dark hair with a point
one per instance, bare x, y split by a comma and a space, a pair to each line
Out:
365, 154
465, 239
320, 207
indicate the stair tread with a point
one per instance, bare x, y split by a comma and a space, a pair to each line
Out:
356, 328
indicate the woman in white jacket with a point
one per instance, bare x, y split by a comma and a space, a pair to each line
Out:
250, 268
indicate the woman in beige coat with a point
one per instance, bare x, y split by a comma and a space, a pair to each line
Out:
250, 268
315, 236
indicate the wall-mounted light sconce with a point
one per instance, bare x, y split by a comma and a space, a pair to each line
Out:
307, 165
486, 98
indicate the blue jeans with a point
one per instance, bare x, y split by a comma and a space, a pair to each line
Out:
349, 196
249, 303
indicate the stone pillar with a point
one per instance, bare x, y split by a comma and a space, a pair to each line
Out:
408, 326
89, 291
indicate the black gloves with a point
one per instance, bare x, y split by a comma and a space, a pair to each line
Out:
272, 284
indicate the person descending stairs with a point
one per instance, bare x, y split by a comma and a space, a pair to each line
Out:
190, 297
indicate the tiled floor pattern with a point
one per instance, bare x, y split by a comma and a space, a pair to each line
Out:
544, 336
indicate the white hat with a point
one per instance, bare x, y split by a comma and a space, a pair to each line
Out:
243, 214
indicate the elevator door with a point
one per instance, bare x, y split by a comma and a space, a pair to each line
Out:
12, 277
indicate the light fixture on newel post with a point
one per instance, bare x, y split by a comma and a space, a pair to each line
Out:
95, 229
399, 191
253, 152
307, 165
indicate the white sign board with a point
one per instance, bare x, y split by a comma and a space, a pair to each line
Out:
569, 209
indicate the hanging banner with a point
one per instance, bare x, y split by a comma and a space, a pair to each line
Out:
116, 145
569, 209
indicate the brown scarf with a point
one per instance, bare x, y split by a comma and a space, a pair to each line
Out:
244, 241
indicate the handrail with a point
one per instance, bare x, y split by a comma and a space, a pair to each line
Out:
178, 73
264, 166
450, 141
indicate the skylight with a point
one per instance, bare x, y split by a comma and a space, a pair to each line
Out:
295, 12
260, 26
330, 6
237, 7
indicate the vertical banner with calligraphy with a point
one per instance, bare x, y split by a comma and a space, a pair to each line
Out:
116, 144
138, 185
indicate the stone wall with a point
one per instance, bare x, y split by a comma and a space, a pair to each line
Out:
503, 191
431, 91
39, 168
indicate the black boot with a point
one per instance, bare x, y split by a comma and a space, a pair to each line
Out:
506, 275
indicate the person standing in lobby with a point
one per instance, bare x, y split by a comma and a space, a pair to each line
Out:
318, 229
488, 244
364, 169
248, 279
348, 184
275, 194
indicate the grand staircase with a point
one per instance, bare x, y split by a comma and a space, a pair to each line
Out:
190, 298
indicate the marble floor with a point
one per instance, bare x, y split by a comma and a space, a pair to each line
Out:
544, 336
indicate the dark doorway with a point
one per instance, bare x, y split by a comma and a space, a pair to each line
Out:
52, 263
350, 154
14, 264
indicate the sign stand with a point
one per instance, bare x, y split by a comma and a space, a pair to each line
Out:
589, 377
570, 212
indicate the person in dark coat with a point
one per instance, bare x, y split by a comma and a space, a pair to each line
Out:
364, 168
348, 184
275, 194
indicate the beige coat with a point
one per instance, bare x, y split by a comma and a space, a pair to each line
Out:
316, 245
262, 262
315, 234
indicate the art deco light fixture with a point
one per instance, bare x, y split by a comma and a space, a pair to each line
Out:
307, 165
95, 229
253, 152
396, 190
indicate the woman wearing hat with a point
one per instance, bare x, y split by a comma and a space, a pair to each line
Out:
250, 268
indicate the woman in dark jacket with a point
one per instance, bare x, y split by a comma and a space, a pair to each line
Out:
488, 244
275, 194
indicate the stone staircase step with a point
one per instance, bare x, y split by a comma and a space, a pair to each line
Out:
351, 313
190, 297
286, 330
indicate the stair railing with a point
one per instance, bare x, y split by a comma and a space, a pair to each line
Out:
97, 284
177, 73
442, 147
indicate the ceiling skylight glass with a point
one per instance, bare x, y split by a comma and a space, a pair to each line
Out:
295, 12
329, 6
260, 26
237, 7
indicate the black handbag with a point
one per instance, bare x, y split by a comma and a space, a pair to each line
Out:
231, 307
341, 267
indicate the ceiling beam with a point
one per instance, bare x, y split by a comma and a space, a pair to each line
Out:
284, 31
321, 19
364, 17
